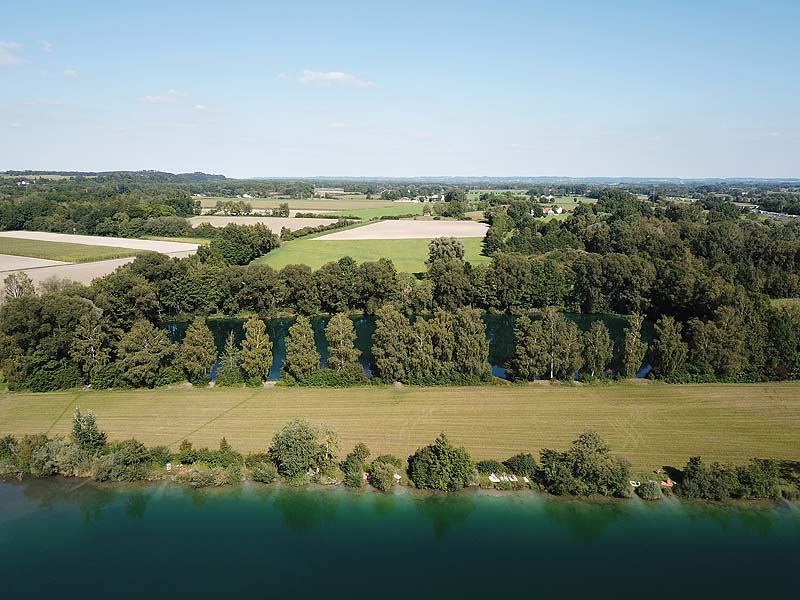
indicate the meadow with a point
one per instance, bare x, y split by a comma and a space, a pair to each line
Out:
62, 251
408, 255
651, 424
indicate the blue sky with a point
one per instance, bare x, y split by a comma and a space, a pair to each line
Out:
677, 88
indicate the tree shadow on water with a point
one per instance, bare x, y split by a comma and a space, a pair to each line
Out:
445, 511
304, 510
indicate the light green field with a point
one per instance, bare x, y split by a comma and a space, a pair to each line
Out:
407, 255
350, 202
63, 251
650, 424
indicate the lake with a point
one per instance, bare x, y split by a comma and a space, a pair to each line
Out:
499, 331
77, 539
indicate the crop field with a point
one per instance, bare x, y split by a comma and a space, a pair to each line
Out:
650, 424
59, 251
410, 229
408, 255
307, 204
274, 223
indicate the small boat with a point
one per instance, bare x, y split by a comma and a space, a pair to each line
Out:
513, 478
635, 483
526, 480
397, 477
494, 478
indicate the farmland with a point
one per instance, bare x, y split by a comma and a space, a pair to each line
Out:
408, 229
650, 424
408, 255
61, 251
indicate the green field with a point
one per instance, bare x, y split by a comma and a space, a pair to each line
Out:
650, 424
310, 204
63, 251
408, 255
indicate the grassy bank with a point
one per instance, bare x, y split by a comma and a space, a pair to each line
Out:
652, 425
63, 251
408, 255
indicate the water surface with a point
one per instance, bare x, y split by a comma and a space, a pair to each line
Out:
73, 539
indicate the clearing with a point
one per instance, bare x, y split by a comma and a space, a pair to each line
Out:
407, 255
408, 229
651, 425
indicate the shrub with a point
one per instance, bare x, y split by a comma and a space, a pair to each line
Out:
390, 459
105, 377
440, 466
128, 460
490, 466
760, 479
382, 475
73, 460
521, 464
353, 466
263, 472
229, 475
299, 446
160, 455
649, 490
169, 375
44, 459
198, 478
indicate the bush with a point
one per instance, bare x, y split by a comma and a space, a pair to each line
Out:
353, 466
105, 377
523, 465
382, 475
73, 460
128, 460
264, 472
297, 447
649, 490
168, 376
390, 459
440, 466
44, 459
197, 478
485, 467
229, 475
160, 455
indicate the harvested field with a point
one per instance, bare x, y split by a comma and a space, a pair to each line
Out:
95, 240
650, 424
410, 229
17, 263
60, 252
274, 223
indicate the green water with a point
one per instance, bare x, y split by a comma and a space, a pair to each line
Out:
68, 539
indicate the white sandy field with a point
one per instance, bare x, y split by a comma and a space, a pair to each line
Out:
16, 263
274, 223
399, 230
97, 240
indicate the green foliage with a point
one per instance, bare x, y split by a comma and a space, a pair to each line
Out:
759, 479
341, 336
144, 353
522, 464
382, 474
668, 351
264, 472
198, 353
586, 468
441, 466
89, 349
229, 371
302, 358
256, 351
550, 347
633, 348
649, 490
353, 466
240, 244
86, 434
128, 460
299, 446
598, 348
485, 467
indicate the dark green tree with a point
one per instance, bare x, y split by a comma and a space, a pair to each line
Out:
598, 348
89, 349
144, 353
633, 348
341, 336
86, 434
668, 351
441, 466
230, 371
197, 353
256, 351
302, 358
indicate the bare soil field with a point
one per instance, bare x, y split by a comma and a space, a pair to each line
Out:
398, 230
274, 223
96, 240
16, 263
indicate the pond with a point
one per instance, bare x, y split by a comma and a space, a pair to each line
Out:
74, 539
499, 330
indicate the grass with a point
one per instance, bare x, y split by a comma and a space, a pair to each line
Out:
63, 251
408, 255
651, 425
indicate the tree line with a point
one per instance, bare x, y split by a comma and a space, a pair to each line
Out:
302, 453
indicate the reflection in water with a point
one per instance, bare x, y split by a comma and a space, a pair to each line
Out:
586, 520
136, 504
445, 512
304, 509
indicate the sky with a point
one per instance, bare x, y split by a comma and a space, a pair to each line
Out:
699, 88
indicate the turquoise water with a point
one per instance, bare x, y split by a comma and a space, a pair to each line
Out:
70, 539
499, 331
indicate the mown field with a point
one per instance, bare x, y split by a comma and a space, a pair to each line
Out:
408, 255
63, 251
650, 424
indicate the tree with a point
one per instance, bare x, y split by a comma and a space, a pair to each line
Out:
598, 348
198, 353
144, 353
229, 371
441, 466
550, 346
471, 344
256, 352
299, 446
633, 348
341, 336
444, 249
89, 349
18, 285
86, 434
669, 351
302, 358
389, 344
530, 357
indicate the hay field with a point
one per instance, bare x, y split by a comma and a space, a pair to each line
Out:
55, 253
410, 229
407, 255
96, 240
650, 424
274, 223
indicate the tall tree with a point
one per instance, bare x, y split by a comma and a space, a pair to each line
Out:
229, 371
89, 349
85, 432
633, 348
256, 351
198, 353
471, 344
389, 347
143, 354
530, 357
341, 336
18, 285
669, 351
302, 358
598, 348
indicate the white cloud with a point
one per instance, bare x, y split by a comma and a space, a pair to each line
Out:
337, 125
8, 54
171, 97
207, 108
46, 46
72, 73
284, 76
334, 78
16, 125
